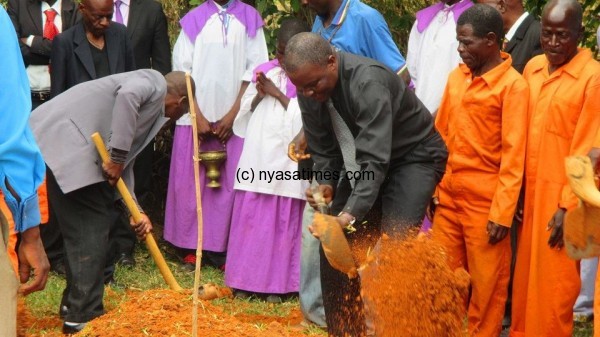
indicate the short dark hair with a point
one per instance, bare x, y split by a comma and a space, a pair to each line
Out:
290, 27
306, 48
484, 19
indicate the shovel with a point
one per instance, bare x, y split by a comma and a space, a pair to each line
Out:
150, 242
582, 225
328, 231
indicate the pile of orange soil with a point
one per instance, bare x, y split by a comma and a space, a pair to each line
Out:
413, 291
169, 313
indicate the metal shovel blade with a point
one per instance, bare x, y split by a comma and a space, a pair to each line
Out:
335, 246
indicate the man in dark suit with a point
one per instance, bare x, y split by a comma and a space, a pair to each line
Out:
92, 49
30, 19
147, 28
522, 39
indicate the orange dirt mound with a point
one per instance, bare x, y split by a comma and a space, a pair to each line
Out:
168, 313
413, 292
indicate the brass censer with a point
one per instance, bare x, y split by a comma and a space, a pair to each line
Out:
212, 161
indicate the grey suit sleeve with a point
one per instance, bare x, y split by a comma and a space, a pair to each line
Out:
130, 96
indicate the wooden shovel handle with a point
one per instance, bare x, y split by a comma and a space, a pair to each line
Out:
137, 216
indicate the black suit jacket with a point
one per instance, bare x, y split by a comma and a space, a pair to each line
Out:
525, 44
72, 61
147, 29
26, 16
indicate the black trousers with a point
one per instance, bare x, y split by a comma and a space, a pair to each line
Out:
400, 206
84, 217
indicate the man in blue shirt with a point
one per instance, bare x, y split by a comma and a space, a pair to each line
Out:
354, 27
21, 172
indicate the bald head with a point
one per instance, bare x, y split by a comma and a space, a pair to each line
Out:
96, 15
564, 10
176, 100
176, 83
561, 31
306, 49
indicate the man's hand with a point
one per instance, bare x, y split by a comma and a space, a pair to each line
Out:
33, 263
556, 225
112, 172
297, 147
223, 128
326, 191
496, 232
519, 211
141, 228
203, 127
430, 211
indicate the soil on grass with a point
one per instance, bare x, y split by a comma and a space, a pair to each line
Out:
169, 313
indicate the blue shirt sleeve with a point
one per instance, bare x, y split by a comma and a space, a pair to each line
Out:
380, 44
21, 164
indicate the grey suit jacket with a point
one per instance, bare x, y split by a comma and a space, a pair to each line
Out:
525, 44
63, 126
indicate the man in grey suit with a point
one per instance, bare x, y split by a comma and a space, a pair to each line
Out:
128, 110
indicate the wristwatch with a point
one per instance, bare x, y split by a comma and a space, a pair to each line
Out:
350, 226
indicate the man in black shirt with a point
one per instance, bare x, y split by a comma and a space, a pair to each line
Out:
401, 156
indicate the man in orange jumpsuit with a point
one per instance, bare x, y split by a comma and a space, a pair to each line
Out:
483, 120
564, 117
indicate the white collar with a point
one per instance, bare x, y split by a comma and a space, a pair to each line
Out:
511, 32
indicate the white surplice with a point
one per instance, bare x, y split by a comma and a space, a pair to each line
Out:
431, 56
219, 64
267, 132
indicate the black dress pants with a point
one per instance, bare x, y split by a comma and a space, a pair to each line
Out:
400, 206
85, 217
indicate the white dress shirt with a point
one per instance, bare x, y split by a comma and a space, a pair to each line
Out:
39, 75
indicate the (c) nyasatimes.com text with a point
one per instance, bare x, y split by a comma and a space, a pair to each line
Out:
270, 176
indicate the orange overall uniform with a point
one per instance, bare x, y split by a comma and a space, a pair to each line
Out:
12, 239
564, 117
483, 121
597, 286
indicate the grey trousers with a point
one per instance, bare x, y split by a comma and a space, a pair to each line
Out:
311, 296
9, 285
585, 302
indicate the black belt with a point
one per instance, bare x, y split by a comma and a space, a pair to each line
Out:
40, 95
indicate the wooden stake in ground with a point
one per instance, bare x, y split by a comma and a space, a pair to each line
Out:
198, 205
137, 217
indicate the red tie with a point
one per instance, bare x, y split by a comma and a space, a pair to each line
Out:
50, 30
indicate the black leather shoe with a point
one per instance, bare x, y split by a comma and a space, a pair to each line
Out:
126, 260
72, 329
